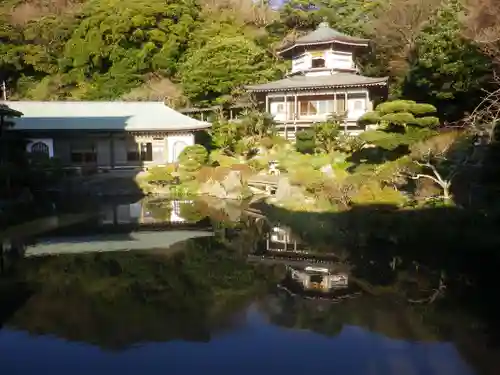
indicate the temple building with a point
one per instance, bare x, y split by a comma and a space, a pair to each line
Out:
105, 135
324, 80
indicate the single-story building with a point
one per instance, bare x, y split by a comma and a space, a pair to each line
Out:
106, 135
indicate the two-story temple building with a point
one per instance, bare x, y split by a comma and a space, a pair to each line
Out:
324, 80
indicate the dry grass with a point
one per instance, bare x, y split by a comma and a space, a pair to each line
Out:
31, 10
157, 88
397, 26
247, 11
482, 25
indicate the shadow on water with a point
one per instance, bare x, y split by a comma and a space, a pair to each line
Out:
423, 276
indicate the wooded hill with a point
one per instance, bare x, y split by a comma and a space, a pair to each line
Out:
196, 52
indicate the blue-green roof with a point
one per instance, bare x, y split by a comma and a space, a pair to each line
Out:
112, 116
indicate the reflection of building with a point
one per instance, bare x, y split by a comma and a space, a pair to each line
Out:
330, 281
318, 278
281, 238
141, 213
308, 272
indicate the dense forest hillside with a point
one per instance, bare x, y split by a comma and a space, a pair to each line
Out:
195, 52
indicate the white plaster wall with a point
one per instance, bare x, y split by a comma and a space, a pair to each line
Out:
352, 111
323, 72
176, 143
301, 63
273, 110
336, 60
48, 141
135, 210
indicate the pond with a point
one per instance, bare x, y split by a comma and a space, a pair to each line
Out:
185, 287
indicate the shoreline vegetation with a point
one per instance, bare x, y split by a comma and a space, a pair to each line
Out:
410, 161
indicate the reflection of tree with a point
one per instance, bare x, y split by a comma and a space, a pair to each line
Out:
192, 212
374, 314
115, 300
159, 209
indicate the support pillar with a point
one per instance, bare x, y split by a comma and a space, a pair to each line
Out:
295, 114
267, 104
296, 109
286, 117
346, 104
111, 151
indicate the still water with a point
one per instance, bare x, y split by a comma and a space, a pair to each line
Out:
181, 287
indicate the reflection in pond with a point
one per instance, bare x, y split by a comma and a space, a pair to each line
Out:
245, 296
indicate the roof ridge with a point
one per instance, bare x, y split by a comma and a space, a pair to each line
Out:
84, 101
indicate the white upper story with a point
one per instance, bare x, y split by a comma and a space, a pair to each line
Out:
324, 62
324, 51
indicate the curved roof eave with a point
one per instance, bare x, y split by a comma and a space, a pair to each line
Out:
382, 83
360, 43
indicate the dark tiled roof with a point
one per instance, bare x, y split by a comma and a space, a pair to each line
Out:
324, 34
301, 82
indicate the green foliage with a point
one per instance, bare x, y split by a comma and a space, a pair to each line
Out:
399, 118
191, 159
159, 209
245, 135
305, 141
160, 175
399, 123
369, 118
325, 134
257, 124
197, 153
427, 122
449, 70
225, 134
222, 65
218, 157
190, 212
373, 193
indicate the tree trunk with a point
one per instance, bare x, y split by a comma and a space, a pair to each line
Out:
446, 192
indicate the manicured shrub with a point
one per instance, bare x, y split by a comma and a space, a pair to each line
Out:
305, 141
196, 153
160, 175
191, 159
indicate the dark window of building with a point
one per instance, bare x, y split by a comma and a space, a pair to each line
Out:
341, 104
304, 108
146, 151
132, 151
83, 152
142, 151
318, 63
